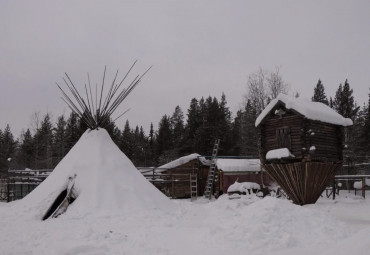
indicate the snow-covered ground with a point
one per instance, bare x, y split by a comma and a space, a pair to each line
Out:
249, 225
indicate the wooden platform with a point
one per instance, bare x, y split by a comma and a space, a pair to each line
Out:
303, 182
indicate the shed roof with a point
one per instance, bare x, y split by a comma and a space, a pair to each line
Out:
308, 109
238, 165
178, 162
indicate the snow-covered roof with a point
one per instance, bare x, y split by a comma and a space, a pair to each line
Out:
310, 110
279, 154
238, 165
178, 162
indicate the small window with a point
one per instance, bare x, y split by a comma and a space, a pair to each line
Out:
283, 137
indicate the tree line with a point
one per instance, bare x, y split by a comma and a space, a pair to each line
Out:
180, 133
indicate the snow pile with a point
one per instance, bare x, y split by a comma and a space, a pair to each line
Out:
243, 187
106, 182
279, 154
310, 110
178, 162
271, 226
238, 165
358, 185
247, 225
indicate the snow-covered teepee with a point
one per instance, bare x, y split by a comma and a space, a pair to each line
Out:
95, 176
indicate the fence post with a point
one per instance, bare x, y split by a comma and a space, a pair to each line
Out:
363, 186
7, 191
333, 189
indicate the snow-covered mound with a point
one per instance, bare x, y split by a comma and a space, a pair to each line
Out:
106, 181
243, 187
272, 226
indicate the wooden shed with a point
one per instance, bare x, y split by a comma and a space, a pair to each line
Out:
184, 177
300, 145
241, 170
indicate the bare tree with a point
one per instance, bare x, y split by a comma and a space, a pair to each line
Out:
35, 121
275, 84
256, 89
263, 86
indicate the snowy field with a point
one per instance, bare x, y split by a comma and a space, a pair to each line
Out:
249, 225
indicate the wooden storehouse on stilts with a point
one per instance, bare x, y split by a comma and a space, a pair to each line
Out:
300, 144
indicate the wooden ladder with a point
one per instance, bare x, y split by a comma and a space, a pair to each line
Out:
193, 186
212, 175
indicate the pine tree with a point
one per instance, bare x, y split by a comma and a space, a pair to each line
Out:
8, 148
344, 102
25, 155
126, 141
44, 138
151, 155
193, 123
319, 94
164, 140
60, 144
177, 126
224, 127
73, 132
2, 154
345, 105
363, 139
237, 134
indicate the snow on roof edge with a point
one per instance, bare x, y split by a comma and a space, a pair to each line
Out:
178, 162
238, 165
311, 110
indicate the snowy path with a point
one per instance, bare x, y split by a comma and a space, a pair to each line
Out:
256, 226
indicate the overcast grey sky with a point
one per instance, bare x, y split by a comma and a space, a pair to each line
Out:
197, 48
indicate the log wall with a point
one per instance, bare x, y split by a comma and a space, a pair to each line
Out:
327, 139
268, 133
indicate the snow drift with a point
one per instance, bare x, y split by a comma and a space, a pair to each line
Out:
105, 181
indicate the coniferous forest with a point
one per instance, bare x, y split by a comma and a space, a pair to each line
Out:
181, 132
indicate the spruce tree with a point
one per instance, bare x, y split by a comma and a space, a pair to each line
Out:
193, 123
8, 149
60, 144
44, 138
25, 155
126, 141
319, 94
177, 125
73, 132
364, 138
164, 140
344, 103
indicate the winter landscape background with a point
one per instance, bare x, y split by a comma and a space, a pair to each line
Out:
216, 65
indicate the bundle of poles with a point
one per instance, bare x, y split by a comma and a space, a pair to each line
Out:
96, 109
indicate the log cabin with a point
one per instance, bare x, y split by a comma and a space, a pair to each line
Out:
300, 145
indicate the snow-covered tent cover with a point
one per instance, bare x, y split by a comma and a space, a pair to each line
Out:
308, 109
238, 165
105, 180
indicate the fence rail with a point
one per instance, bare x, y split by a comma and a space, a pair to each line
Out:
14, 189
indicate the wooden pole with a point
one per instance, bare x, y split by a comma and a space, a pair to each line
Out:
333, 190
363, 186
